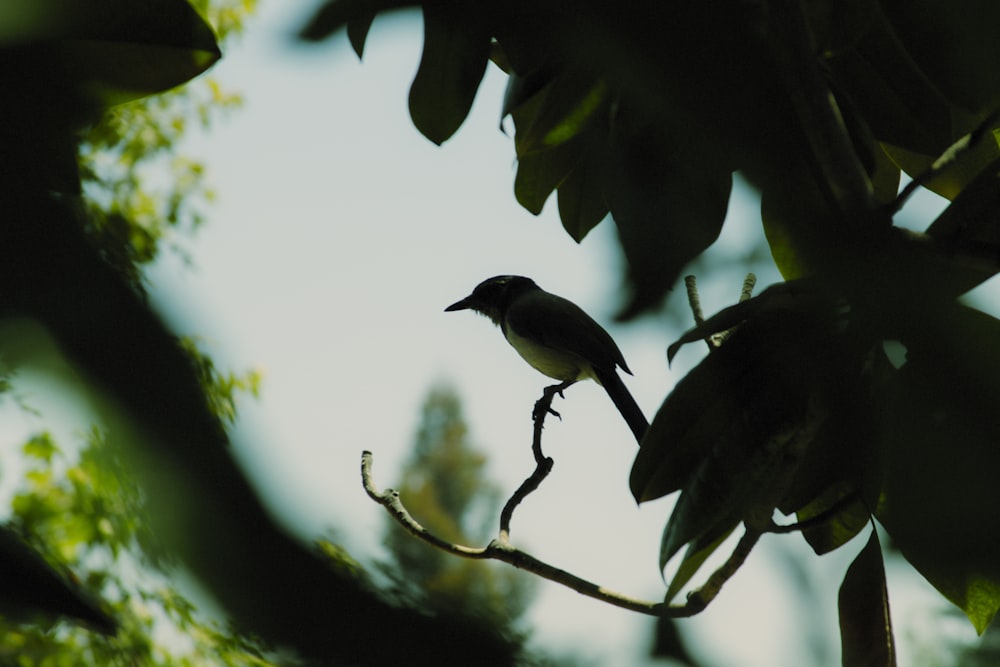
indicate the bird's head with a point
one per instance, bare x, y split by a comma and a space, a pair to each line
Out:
492, 296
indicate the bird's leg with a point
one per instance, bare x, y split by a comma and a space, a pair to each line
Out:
543, 406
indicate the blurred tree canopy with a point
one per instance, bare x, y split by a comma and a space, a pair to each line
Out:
644, 111
444, 483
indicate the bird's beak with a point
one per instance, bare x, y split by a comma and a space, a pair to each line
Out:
464, 304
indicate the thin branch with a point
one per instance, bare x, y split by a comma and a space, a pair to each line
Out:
715, 340
502, 550
950, 156
543, 464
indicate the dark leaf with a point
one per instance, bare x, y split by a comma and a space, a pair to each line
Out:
334, 15
668, 204
955, 44
694, 558
971, 221
569, 103
898, 102
581, 199
357, 32
849, 516
865, 626
538, 174
111, 51
940, 431
456, 50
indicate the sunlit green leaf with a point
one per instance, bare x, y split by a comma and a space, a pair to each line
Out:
568, 104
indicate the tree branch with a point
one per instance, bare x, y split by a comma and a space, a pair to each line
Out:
543, 464
502, 550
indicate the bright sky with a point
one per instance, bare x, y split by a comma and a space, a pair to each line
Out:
339, 236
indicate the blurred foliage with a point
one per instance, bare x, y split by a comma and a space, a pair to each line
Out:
84, 510
125, 157
90, 196
444, 484
644, 111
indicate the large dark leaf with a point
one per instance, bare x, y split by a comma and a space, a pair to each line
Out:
668, 203
941, 433
865, 627
955, 44
456, 50
114, 50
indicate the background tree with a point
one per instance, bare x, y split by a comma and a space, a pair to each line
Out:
445, 485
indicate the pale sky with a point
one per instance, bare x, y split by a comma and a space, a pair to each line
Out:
339, 236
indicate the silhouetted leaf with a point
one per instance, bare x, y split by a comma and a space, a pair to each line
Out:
955, 44
539, 173
334, 15
581, 199
694, 558
838, 529
357, 32
940, 434
456, 50
112, 51
567, 105
865, 626
668, 204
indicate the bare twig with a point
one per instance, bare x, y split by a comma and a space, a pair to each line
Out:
501, 549
543, 464
715, 340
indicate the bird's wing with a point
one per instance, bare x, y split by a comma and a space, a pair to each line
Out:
562, 325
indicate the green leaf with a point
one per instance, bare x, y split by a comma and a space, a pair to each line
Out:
41, 447
568, 103
838, 529
940, 432
972, 219
334, 15
950, 182
113, 50
865, 626
898, 102
955, 45
742, 393
456, 50
538, 174
694, 558
581, 199
668, 200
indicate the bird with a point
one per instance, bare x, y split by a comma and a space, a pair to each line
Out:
556, 337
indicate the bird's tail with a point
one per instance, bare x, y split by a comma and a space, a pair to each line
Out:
626, 405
